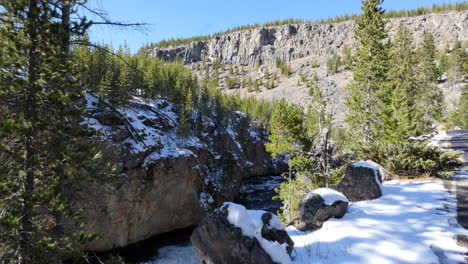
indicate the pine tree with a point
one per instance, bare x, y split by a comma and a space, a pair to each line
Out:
267, 74
399, 115
427, 54
464, 108
319, 129
443, 65
370, 71
41, 150
430, 98
398, 122
347, 57
287, 136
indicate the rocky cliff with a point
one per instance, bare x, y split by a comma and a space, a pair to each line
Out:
168, 181
306, 48
291, 42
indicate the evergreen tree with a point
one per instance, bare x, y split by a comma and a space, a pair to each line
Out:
370, 71
347, 57
430, 103
464, 108
319, 129
443, 64
427, 54
333, 63
41, 150
399, 115
287, 136
398, 122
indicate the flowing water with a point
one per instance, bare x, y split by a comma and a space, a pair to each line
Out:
175, 248
256, 193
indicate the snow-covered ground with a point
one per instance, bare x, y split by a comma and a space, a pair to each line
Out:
461, 175
413, 222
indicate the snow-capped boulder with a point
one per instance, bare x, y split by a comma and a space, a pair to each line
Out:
232, 234
385, 174
318, 206
362, 181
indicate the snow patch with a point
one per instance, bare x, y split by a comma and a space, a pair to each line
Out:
461, 132
250, 222
330, 196
205, 200
254, 135
461, 175
91, 101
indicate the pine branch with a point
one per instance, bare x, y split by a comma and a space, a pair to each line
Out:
101, 48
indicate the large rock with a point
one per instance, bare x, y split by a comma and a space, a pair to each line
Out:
318, 206
362, 181
231, 234
155, 200
166, 183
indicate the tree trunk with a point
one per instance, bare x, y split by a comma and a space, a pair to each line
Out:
29, 109
289, 197
60, 142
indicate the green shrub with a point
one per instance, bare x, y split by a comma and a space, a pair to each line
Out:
232, 82
411, 158
298, 188
333, 63
336, 175
284, 68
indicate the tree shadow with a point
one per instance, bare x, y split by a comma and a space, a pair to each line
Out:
400, 227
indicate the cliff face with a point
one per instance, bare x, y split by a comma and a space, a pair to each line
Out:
291, 42
169, 181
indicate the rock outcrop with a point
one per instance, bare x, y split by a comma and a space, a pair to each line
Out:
362, 181
296, 41
260, 240
317, 207
168, 182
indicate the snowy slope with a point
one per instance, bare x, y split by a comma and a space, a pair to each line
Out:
153, 126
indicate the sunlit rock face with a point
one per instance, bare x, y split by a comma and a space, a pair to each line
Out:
290, 42
168, 181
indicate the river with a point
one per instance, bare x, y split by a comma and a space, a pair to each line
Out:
175, 248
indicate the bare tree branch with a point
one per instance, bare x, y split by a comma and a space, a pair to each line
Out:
106, 21
119, 24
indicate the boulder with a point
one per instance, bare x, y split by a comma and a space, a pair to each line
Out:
361, 182
385, 174
318, 206
232, 234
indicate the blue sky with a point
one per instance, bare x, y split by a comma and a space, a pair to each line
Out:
185, 18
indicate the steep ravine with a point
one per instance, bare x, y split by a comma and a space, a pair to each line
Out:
169, 182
